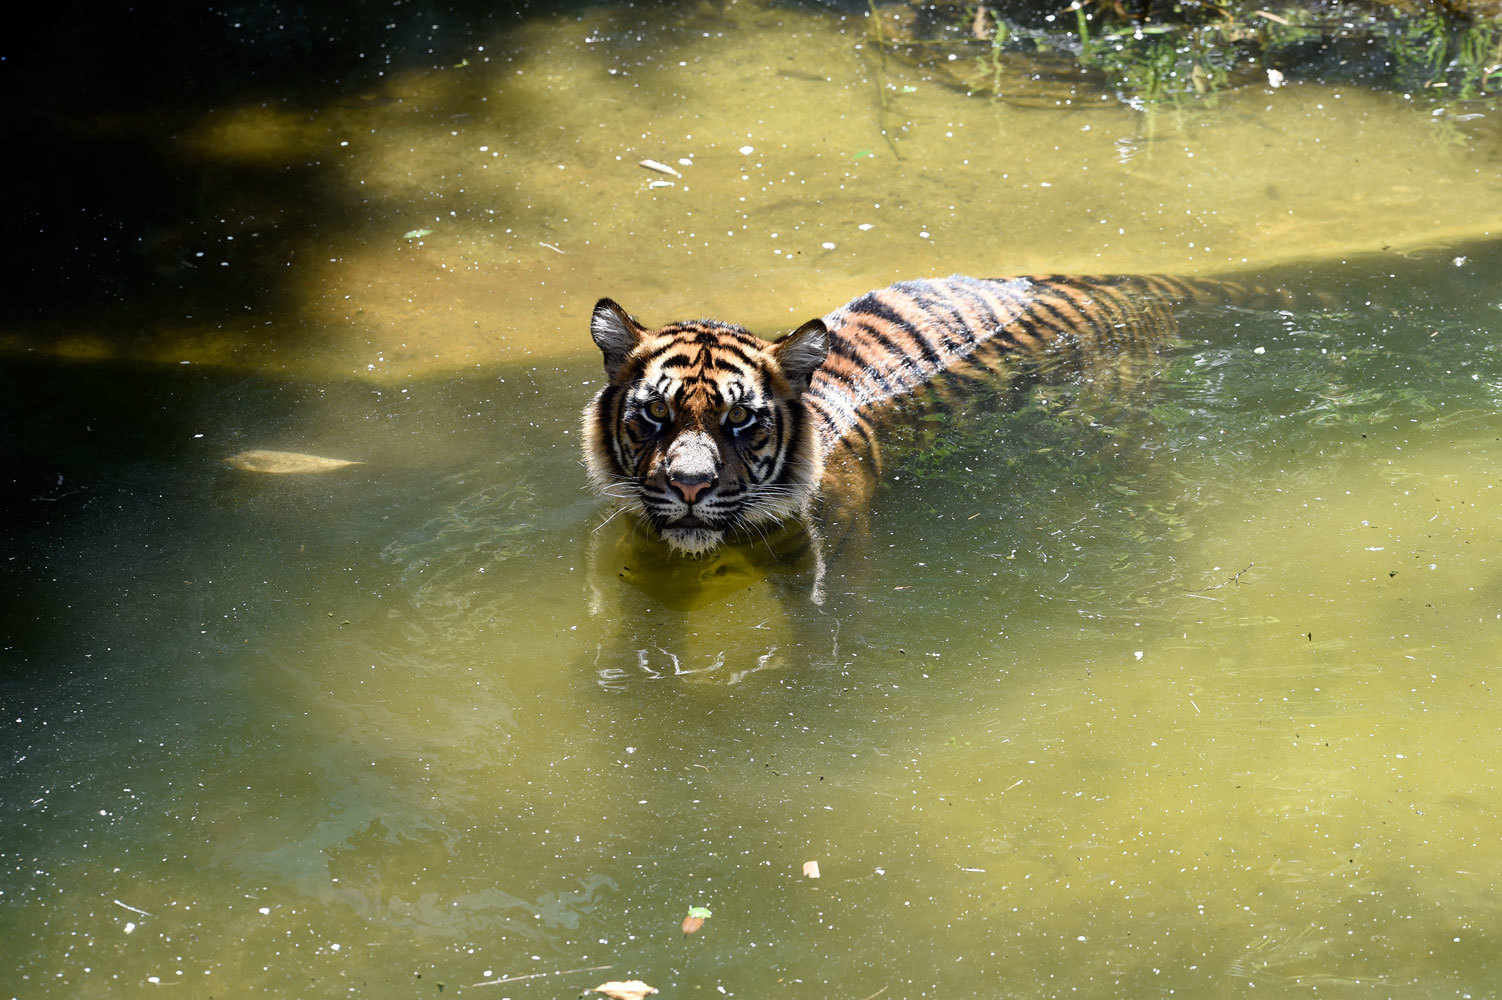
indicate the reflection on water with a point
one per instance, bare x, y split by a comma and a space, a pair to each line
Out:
1188, 691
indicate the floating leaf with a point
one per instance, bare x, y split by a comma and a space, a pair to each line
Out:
631, 989
661, 168
695, 919
810, 869
284, 462
415, 234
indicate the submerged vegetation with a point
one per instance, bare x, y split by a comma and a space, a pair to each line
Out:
1150, 51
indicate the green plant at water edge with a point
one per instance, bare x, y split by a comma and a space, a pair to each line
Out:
991, 62
1432, 51
1150, 51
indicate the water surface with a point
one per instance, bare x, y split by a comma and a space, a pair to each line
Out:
1185, 691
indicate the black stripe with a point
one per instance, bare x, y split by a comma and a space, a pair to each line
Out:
873, 306
938, 300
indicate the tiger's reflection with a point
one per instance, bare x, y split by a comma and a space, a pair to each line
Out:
717, 617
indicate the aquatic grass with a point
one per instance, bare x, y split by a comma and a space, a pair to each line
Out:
1161, 53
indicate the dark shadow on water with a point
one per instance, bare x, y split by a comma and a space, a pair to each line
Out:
115, 226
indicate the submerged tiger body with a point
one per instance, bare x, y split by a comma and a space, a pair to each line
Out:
710, 433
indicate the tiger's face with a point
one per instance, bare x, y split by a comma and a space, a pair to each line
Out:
701, 427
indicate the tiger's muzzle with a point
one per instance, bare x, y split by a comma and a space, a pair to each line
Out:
693, 465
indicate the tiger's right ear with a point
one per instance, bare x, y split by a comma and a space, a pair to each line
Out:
615, 333
803, 350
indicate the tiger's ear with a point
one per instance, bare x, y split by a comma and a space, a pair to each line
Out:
803, 350
615, 333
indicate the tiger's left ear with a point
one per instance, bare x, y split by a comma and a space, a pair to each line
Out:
615, 333
803, 350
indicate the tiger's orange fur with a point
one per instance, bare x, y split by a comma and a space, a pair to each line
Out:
709, 432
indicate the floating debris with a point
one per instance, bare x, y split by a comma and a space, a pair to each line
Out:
981, 26
284, 462
810, 869
416, 234
540, 975
661, 168
631, 989
695, 919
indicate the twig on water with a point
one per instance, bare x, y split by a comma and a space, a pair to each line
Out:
536, 975
1236, 579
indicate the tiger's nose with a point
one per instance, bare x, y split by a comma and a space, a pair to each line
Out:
689, 487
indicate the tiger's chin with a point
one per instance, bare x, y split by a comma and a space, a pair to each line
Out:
692, 541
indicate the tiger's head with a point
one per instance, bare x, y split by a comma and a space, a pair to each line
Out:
701, 427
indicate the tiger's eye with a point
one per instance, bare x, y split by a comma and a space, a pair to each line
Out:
657, 410
737, 416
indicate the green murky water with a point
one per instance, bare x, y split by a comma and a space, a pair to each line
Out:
1191, 693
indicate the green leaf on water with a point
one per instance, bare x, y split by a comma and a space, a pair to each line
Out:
695, 919
413, 234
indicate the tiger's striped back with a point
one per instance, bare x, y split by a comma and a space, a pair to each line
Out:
896, 342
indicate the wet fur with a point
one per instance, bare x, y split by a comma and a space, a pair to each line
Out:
662, 436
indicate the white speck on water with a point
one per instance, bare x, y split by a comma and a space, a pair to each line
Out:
865, 226
827, 246
747, 150
1259, 350
264, 911
129, 927
1138, 654
335, 946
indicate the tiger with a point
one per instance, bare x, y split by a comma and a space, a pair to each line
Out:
710, 434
